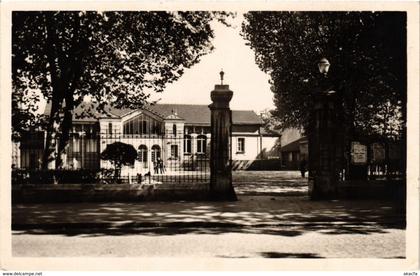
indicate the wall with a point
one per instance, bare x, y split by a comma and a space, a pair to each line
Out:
270, 147
179, 128
116, 125
258, 150
251, 147
303, 148
108, 192
256, 147
290, 160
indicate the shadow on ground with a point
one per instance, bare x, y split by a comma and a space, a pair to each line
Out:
275, 255
270, 183
262, 208
289, 255
281, 216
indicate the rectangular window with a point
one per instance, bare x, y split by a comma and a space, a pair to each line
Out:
174, 130
241, 145
76, 144
110, 128
91, 145
153, 127
144, 129
201, 144
174, 151
187, 144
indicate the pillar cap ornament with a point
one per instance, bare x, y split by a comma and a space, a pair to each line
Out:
221, 95
221, 76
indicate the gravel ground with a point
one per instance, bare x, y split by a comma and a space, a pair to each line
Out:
220, 243
266, 222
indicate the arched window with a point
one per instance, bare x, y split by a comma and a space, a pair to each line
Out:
187, 143
142, 154
201, 143
155, 153
141, 125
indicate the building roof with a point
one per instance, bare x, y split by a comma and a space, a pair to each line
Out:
193, 114
293, 146
270, 132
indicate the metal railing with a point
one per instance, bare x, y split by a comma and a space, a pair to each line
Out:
170, 158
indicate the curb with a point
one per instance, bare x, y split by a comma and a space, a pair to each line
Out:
195, 224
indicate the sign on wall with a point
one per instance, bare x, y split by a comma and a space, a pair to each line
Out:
358, 153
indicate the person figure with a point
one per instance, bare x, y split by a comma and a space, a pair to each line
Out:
139, 178
302, 167
156, 166
75, 163
161, 166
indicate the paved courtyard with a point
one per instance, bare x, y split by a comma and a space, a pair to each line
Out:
273, 218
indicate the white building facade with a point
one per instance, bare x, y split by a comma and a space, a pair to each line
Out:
178, 135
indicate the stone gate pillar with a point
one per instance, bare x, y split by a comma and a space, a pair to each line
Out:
220, 147
325, 148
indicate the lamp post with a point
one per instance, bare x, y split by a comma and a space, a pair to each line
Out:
325, 148
324, 66
326, 87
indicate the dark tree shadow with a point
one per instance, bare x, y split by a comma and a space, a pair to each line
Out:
249, 215
262, 208
288, 255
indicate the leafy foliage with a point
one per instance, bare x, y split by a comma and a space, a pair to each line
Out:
113, 58
271, 123
119, 154
24, 116
367, 52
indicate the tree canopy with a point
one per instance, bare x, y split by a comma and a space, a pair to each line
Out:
114, 58
367, 52
119, 154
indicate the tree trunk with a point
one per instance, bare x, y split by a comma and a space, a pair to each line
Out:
65, 75
117, 173
53, 126
66, 125
51, 139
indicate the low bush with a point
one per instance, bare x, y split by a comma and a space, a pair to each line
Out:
23, 176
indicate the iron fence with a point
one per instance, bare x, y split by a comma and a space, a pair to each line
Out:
131, 158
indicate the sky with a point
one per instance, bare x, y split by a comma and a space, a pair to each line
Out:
249, 84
